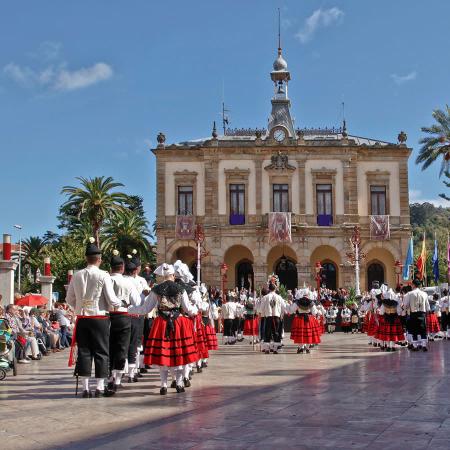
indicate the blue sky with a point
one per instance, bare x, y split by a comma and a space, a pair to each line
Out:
86, 86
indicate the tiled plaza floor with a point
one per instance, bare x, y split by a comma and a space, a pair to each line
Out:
344, 395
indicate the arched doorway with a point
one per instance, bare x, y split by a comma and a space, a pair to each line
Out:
375, 272
244, 275
329, 278
287, 273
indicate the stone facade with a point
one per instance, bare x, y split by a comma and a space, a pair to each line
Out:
342, 163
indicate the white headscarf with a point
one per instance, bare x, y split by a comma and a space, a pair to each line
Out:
164, 270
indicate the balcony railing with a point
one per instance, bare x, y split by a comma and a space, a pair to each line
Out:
324, 220
237, 219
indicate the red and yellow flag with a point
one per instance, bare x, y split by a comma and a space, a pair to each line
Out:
422, 262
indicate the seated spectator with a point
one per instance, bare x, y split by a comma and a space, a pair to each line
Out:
19, 340
53, 335
28, 332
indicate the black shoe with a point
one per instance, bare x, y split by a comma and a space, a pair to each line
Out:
302, 350
86, 394
106, 393
135, 379
275, 352
226, 343
173, 384
298, 350
180, 389
143, 370
139, 374
186, 382
425, 349
393, 349
204, 364
267, 352
307, 350
163, 391
199, 370
191, 373
110, 385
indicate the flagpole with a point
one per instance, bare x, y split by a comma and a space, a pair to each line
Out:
448, 258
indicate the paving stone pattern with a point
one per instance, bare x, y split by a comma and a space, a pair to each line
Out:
345, 394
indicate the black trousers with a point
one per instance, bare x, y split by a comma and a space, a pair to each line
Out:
445, 321
93, 345
417, 325
119, 340
272, 329
228, 327
135, 338
237, 328
147, 327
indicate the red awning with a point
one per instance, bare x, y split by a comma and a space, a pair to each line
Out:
32, 300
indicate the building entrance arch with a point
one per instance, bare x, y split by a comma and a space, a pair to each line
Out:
329, 275
375, 272
244, 275
286, 270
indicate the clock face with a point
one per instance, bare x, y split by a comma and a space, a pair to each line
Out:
279, 135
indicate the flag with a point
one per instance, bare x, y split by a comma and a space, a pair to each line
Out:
185, 227
435, 261
379, 228
422, 262
280, 227
409, 261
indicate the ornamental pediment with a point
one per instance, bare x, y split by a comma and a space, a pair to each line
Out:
279, 163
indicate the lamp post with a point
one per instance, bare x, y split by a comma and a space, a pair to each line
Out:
356, 256
223, 274
398, 266
19, 227
318, 268
201, 252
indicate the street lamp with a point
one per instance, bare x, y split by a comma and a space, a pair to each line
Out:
398, 266
19, 227
318, 268
223, 274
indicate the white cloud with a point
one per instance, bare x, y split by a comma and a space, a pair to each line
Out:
400, 79
415, 196
53, 73
319, 18
84, 77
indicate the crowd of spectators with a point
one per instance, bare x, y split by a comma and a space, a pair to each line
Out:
38, 332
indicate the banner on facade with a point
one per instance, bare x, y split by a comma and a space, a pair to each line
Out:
185, 227
280, 227
379, 228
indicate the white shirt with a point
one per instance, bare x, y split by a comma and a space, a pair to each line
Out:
91, 292
416, 301
229, 310
272, 305
126, 291
310, 309
444, 303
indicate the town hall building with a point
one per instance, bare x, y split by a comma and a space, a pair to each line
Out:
329, 182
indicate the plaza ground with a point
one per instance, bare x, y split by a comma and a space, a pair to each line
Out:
345, 394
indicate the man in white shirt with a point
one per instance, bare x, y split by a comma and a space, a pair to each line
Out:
120, 331
444, 305
91, 294
272, 307
229, 309
417, 305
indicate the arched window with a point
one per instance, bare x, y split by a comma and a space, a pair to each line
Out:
329, 278
287, 273
375, 272
244, 275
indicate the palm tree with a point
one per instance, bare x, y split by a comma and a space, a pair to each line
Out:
128, 230
34, 250
95, 200
437, 144
447, 183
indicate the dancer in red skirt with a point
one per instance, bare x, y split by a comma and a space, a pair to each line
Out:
251, 321
432, 321
305, 329
390, 328
374, 316
171, 341
346, 319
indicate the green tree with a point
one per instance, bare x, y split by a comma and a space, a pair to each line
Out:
437, 144
95, 201
128, 230
67, 254
34, 250
447, 183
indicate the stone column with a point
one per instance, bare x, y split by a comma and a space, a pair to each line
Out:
47, 288
260, 274
7, 268
302, 188
258, 187
350, 190
46, 282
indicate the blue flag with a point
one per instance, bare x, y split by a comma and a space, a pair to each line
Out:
435, 261
409, 261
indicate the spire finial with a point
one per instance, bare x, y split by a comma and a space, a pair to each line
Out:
214, 131
279, 31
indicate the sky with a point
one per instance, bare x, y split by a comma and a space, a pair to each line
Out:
86, 86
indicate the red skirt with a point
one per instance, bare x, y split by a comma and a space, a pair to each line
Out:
251, 326
177, 349
372, 326
201, 340
211, 338
306, 329
390, 329
432, 323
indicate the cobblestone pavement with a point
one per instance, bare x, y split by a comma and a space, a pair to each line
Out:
345, 394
